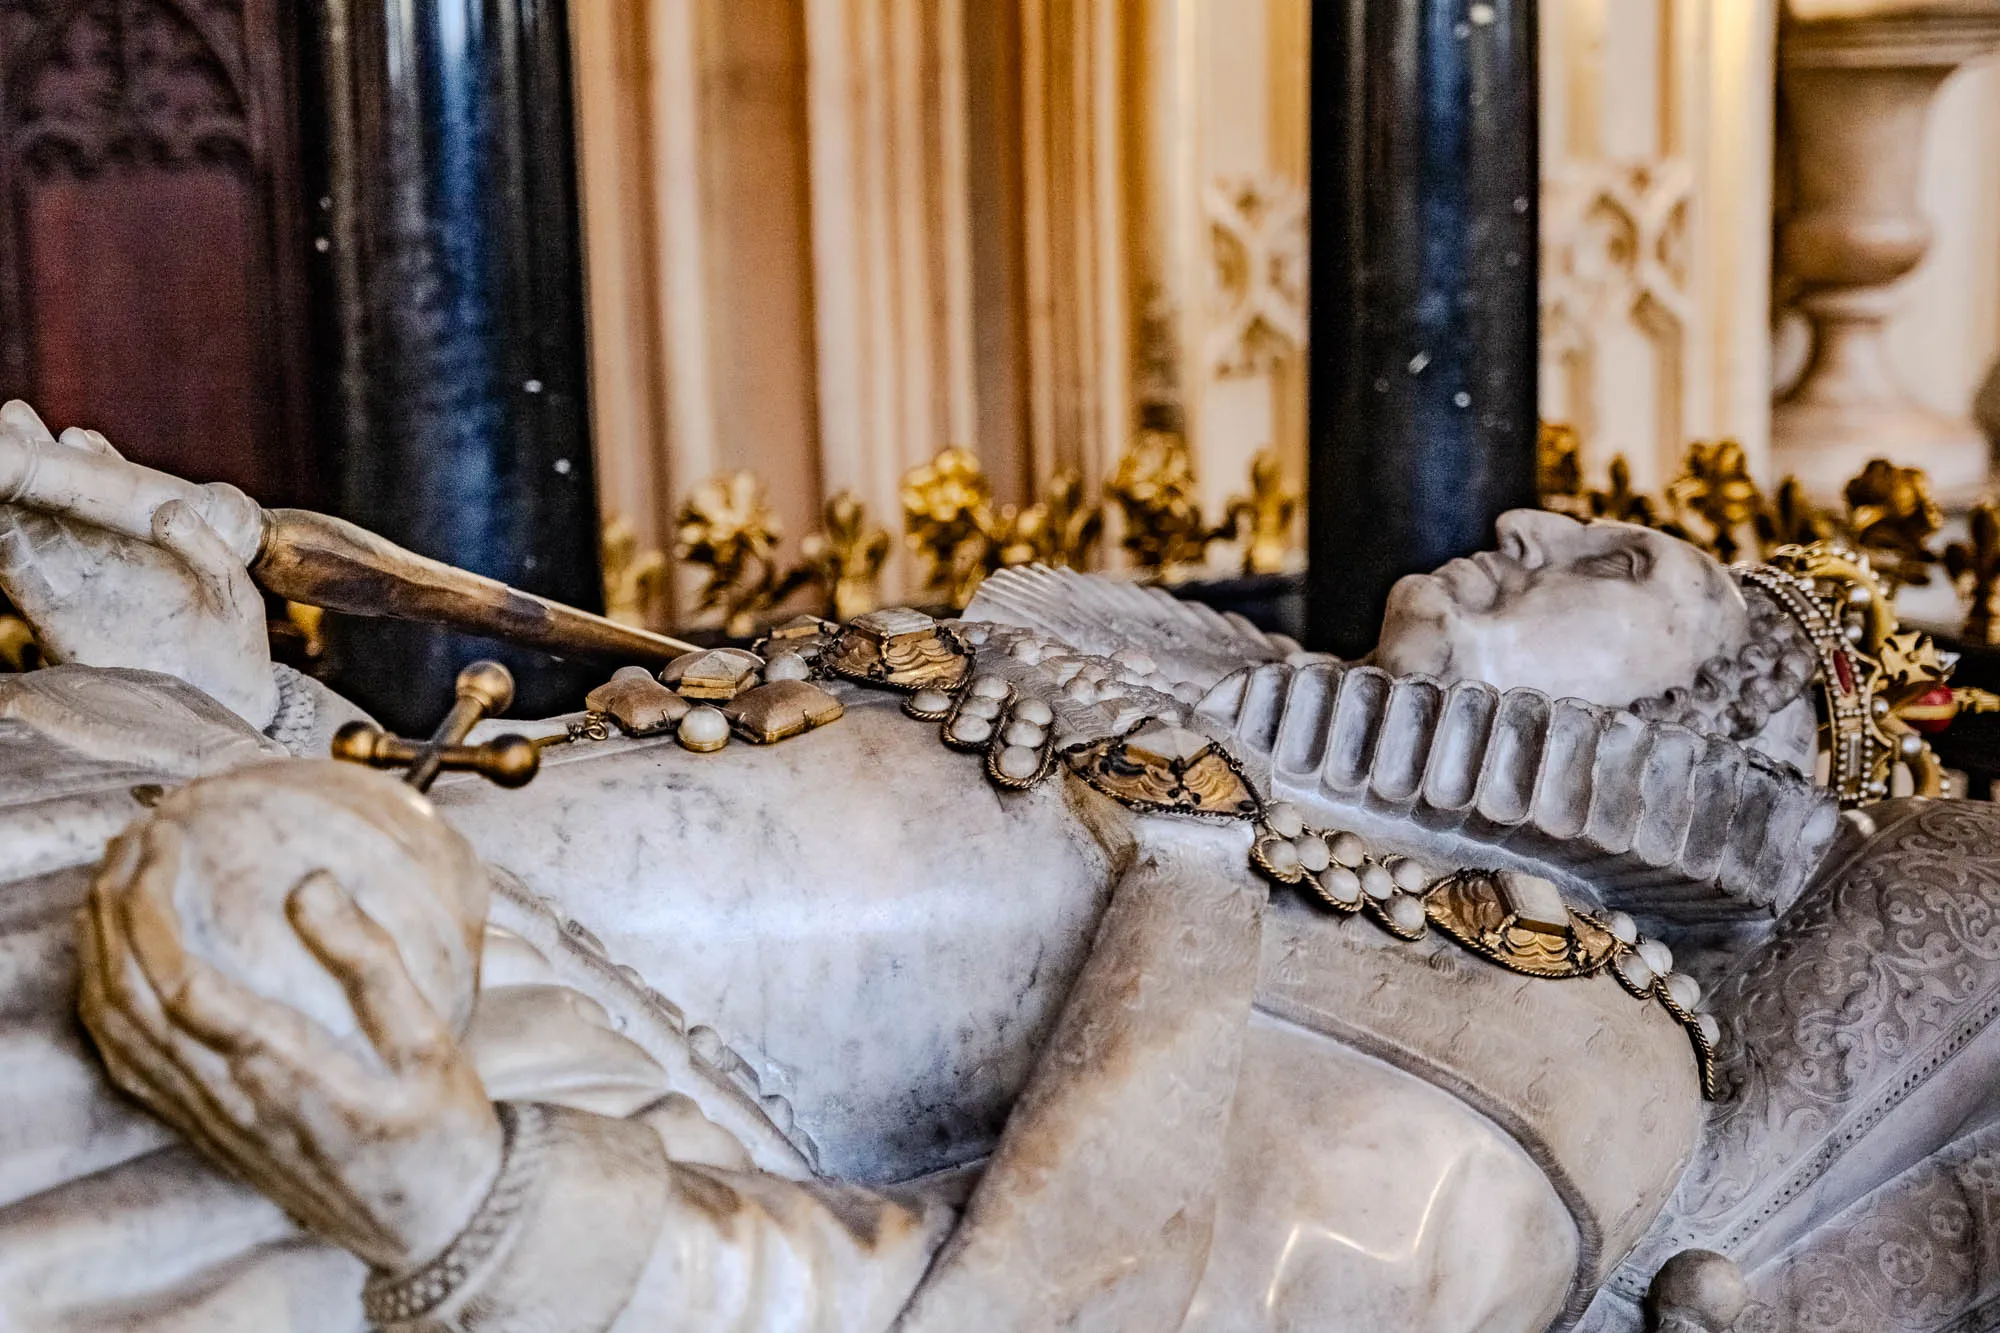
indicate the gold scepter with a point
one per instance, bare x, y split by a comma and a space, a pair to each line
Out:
313, 558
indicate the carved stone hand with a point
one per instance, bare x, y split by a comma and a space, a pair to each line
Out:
387, 1158
181, 602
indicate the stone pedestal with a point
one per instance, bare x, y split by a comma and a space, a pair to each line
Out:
1858, 89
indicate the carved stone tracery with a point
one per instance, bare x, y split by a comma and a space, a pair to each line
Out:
90, 82
1615, 266
1257, 226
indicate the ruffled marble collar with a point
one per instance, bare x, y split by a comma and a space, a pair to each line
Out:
1648, 817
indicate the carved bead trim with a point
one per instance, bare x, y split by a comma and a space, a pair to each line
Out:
387, 1299
1472, 907
1154, 765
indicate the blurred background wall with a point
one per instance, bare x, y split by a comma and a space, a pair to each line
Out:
825, 239
829, 238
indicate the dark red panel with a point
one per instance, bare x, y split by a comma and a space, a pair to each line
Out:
150, 240
144, 322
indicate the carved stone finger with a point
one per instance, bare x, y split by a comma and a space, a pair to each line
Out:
362, 956
16, 415
183, 533
246, 1121
91, 441
144, 909
117, 990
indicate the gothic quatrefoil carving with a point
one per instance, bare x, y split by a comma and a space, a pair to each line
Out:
1257, 226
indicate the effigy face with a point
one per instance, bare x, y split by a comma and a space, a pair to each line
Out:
1608, 612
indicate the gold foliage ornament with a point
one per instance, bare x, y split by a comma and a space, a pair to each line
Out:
1165, 530
1154, 487
1714, 503
1559, 470
1560, 483
950, 520
1974, 567
728, 528
1262, 520
633, 579
1894, 518
1061, 528
845, 557
947, 508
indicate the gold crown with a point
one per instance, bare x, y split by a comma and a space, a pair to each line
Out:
1882, 687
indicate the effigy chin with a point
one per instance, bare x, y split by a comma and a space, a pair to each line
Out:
1087, 961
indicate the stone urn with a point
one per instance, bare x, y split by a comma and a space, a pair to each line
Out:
1858, 78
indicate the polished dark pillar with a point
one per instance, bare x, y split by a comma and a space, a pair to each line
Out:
448, 290
1422, 381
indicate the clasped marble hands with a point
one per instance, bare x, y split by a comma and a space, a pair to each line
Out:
1098, 962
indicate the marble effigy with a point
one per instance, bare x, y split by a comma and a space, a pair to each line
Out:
1103, 964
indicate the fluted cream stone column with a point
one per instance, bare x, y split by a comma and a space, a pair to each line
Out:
1858, 79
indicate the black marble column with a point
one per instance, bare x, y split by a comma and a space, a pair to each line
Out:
448, 296
1422, 380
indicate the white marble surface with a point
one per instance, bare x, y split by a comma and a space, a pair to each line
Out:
850, 950
1387, 1219
928, 941
857, 911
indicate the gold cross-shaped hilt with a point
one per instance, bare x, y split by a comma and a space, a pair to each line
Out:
484, 688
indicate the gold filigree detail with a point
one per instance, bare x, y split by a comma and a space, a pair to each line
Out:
900, 648
1262, 520
1162, 768
1517, 921
1482, 911
1881, 686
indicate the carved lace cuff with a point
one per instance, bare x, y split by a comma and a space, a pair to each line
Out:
298, 709
308, 713
560, 1242
388, 1299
